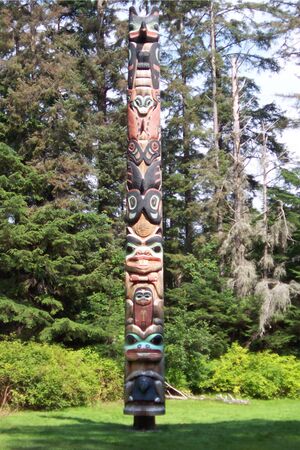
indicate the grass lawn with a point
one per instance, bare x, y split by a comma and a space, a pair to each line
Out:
189, 424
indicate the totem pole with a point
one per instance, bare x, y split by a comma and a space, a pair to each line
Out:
144, 372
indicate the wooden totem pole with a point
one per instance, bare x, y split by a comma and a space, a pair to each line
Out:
144, 373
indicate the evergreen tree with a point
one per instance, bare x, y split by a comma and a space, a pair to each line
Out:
53, 263
63, 120
70, 265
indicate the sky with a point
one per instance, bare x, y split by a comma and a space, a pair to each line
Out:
276, 87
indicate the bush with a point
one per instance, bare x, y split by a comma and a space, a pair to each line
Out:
112, 377
263, 375
48, 376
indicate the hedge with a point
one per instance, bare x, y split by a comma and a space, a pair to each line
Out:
42, 376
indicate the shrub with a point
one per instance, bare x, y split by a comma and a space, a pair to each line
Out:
48, 376
111, 376
263, 375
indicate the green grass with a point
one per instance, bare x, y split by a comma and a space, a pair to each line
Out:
190, 424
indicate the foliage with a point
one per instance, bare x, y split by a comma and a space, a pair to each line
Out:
40, 376
52, 262
202, 317
262, 375
62, 170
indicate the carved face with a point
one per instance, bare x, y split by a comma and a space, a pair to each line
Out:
144, 194
140, 126
142, 104
149, 203
144, 255
143, 296
148, 154
149, 348
143, 101
143, 29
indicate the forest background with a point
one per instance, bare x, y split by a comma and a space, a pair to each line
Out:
231, 189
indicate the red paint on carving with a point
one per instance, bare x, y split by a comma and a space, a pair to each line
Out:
143, 315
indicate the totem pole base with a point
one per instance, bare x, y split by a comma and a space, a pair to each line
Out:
144, 423
141, 410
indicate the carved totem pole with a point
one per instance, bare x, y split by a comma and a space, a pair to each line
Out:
144, 382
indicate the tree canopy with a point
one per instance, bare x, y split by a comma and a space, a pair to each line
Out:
232, 233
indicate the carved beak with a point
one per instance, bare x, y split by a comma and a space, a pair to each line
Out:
143, 30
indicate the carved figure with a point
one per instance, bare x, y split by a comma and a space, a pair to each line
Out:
144, 309
143, 193
144, 386
143, 255
148, 348
146, 151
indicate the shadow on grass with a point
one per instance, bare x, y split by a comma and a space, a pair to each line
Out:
86, 434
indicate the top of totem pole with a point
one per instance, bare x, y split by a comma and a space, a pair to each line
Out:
143, 28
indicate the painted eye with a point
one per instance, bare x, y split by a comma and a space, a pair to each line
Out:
131, 147
156, 26
131, 27
154, 201
157, 249
129, 249
147, 295
132, 202
157, 340
130, 339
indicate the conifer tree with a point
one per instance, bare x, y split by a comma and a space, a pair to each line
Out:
50, 120
62, 169
53, 262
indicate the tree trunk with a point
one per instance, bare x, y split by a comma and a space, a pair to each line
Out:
238, 193
216, 129
264, 163
102, 90
188, 195
216, 125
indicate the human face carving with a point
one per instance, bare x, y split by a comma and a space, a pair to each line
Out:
143, 296
144, 255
